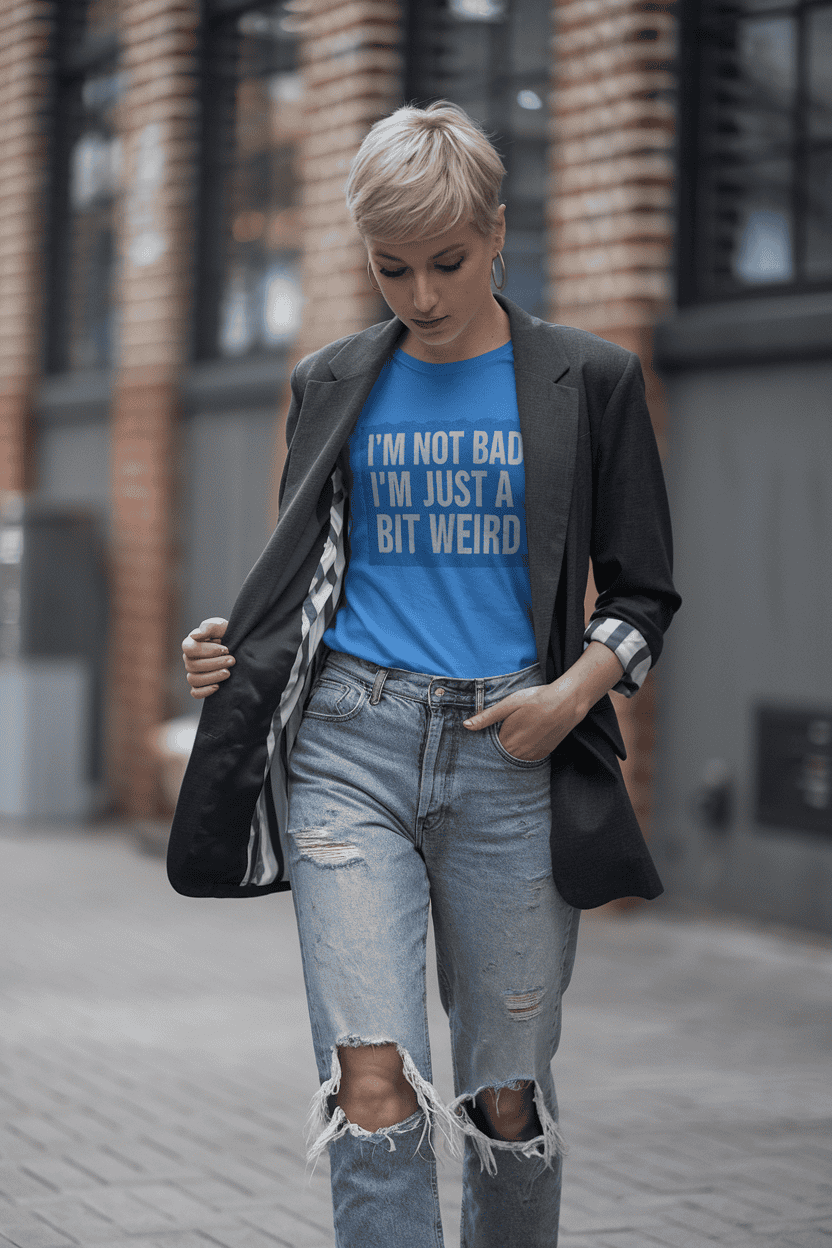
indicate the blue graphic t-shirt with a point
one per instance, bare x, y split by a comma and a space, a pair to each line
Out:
438, 577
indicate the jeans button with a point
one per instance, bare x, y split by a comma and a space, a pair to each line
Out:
439, 692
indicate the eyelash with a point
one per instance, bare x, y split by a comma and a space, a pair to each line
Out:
443, 268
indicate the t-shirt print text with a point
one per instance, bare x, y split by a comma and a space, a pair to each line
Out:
444, 496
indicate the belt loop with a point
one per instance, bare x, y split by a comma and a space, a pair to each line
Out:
378, 685
480, 696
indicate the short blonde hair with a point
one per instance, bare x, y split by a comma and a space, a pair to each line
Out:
421, 171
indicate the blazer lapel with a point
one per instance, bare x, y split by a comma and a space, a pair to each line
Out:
331, 408
549, 424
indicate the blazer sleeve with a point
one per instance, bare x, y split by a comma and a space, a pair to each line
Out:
631, 544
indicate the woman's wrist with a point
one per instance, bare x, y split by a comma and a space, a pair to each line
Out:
596, 672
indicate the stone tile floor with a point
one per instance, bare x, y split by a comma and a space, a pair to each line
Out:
156, 1069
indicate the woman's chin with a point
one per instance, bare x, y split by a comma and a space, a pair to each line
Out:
442, 336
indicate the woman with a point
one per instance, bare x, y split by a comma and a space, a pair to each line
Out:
450, 744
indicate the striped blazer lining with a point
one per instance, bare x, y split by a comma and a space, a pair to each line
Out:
266, 859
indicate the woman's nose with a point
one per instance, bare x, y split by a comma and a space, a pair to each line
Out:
424, 294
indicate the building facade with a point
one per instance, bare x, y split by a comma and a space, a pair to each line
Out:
745, 794
174, 237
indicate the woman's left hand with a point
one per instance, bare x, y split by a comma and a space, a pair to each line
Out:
535, 721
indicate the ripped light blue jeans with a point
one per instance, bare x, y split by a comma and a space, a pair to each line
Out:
395, 808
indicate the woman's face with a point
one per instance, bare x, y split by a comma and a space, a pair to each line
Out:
441, 289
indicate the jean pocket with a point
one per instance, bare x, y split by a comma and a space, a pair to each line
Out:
494, 732
335, 700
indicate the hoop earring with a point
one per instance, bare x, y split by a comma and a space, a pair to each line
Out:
377, 289
501, 285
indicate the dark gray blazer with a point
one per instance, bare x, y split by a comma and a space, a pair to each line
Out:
594, 489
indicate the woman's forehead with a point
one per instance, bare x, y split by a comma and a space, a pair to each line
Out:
432, 245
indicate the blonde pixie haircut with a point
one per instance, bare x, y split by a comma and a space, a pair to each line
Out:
421, 171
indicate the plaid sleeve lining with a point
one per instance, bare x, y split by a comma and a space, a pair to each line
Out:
629, 647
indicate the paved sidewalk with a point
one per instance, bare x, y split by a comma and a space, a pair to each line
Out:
156, 1069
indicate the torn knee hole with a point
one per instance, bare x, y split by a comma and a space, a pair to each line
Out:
509, 1112
374, 1093
534, 1133
328, 1122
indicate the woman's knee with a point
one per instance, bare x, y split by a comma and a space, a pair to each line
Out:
510, 1113
374, 1092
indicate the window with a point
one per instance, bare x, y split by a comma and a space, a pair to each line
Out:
87, 186
492, 58
250, 242
757, 156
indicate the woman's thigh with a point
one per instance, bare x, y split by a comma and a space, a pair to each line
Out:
359, 884
505, 937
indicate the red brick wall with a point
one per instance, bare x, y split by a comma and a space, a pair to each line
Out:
611, 220
352, 75
24, 94
160, 133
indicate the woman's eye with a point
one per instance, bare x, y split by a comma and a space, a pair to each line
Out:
391, 272
450, 268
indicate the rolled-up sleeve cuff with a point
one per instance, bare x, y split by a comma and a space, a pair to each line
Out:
629, 647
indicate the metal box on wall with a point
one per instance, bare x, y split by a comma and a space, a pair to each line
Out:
53, 614
794, 768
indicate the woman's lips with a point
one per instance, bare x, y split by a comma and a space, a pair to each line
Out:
437, 320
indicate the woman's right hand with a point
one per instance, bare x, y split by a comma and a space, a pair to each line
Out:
206, 659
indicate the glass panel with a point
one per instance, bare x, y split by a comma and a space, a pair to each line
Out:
479, 10
819, 77
819, 217
531, 39
94, 188
766, 81
746, 159
762, 240
261, 299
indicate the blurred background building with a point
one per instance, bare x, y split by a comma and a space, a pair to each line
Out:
173, 237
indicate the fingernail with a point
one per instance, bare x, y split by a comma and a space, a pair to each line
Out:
223, 649
468, 723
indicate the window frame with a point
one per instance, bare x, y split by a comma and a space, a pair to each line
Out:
216, 110
72, 59
422, 33
693, 255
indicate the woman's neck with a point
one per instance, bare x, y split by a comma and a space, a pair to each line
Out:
484, 333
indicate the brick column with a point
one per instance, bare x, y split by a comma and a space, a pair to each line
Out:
159, 132
352, 71
611, 220
25, 72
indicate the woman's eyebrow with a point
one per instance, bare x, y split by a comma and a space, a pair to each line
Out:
385, 255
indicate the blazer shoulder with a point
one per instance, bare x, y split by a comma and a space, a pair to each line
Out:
315, 366
585, 349
601, 368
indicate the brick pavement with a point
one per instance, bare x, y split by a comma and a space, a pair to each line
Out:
156, 1068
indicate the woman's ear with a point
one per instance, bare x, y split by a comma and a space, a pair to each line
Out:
500, 228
